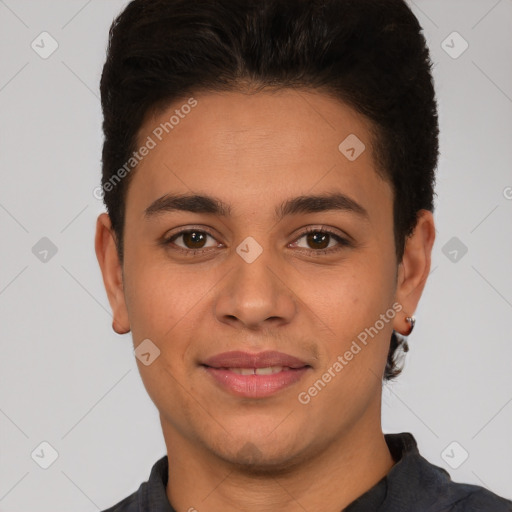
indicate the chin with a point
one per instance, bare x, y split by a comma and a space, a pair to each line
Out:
262, 458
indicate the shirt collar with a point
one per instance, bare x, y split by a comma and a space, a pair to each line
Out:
412, 481
152, 494
404, 450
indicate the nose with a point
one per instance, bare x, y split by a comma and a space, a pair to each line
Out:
255, 295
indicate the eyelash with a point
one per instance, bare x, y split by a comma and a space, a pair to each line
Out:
342, 242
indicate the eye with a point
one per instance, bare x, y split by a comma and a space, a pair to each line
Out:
191, 240
320, 240
314, 241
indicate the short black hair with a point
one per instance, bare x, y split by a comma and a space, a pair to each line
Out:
369, 54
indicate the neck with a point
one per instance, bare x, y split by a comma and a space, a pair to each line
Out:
328, 481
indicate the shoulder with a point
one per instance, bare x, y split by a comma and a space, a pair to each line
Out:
441, 494
150, 495
445, 495
416, 482
472, 498
129, 504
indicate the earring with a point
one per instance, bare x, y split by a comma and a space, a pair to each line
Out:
412, 323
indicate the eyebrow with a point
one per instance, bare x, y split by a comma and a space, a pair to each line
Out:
197, 203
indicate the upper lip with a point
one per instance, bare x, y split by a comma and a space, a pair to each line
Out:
239, 359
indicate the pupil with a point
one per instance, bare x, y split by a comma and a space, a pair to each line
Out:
194, 240
315, 238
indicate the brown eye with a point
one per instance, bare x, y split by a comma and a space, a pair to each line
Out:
192, 239
318, 240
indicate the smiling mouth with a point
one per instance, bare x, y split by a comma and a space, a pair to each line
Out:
269, 370
255, 375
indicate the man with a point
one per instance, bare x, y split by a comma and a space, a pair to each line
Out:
268, 172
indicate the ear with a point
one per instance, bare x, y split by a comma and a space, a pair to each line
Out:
414, 269
111, 269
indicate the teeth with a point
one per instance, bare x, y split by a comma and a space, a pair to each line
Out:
268, 371
243, 371
258, 371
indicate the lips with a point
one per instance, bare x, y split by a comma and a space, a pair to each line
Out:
266, 359
255, 375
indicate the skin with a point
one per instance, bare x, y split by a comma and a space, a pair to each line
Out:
254, 152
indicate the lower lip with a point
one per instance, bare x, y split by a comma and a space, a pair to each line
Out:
256, 386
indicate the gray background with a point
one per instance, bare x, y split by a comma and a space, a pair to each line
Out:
66, 378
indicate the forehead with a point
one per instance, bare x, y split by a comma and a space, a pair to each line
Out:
257, 146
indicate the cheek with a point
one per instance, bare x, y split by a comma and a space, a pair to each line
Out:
356, 346
159, 298
161, 309
352, 297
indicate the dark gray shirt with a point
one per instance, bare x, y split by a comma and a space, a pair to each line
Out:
412, 485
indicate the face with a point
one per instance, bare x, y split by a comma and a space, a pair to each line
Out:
260, 261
